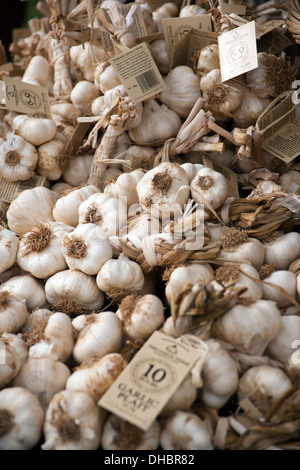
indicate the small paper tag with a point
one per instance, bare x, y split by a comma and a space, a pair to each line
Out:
138, 27
105, 38
273, 42
175, 28
285, 143
25, 98
77, 137
138, 73
149, 380
236, 8
238, 52
9, 191
229, 175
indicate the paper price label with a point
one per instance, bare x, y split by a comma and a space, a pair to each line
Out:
25, 98
149, 380
238, 51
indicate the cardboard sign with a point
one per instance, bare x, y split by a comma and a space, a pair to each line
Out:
24, 98
149, 380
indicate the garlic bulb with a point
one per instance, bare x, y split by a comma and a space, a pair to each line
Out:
102, 335
94, 377
104, 210
43, 377
185, 431
229, 275
183, 397
77, 172
220, 376
124, 187
163, 190
82, 94
84, 59
182, 90
139, 157
192, 10
21, 418
281, 347
39, 249
237, 246
66, 110
249, 328
73, 292
281, 249
283, 279
25, 286
105, 77
60, 187
36, 316
120, 277
290, 181
73, 421
38, 71
264, 386
86, 248
17, 342
273, 76
138, 227
52, 159
121, 435
249, 110
66, 207
183, 274
9, 244
158, 124
18, 158
191, 169
207, 59
141, 315
10, 362
52, 338
160, 55
31, 206
210, 184
183, 325
13, 312
35, 128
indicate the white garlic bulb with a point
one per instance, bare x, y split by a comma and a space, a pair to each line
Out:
36, 316
52, 159
207, 59
281, 347
78, 413
60, 187
220, 376
183, 397
183, 274
182, 90
191, 169
192, 10
249, 110
120, 277
105, 77
18, 158
210, 184
39, 249
13, 312
82, 95
140, 157
38, 71
158, 124
285, 280
237, 246
163, 190
290, 181
9, 244
31, 206
74, 292
124, 187
26, 286
121, 435
10, 363
185, 431
160, 54
264, 386
141, 316
249, 328
43, 377
21, 418
96, 375
34, 128
102, 335
65, 209
104, 210
84, 59
86, 248
78, 170
66, 110
52, 338
231, 275
281, 249
18, 343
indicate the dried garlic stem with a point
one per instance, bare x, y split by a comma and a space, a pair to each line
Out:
112, 19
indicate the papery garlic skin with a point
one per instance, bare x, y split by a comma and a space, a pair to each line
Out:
39, 250
139, 157
121, 435
183, 274
102, 335
43, 377
182, 90
249, 110
141, 316
281, 249
163, 190
35, 128
82, 94
124, 187
28, 288
9, 244
220, 376
74, 291
18, 158
13, 312
210, 184
185, 431
285, 280
77, 412
281, 347
249, 328
52, 159
94, 377
22, 417
65, 209
31, 206
66, 110
290, 181
208, 59
60, 187
264, 386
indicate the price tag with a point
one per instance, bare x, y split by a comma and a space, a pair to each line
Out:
25, 98
149, 380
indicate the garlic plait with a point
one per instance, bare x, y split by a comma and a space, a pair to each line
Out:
18, 158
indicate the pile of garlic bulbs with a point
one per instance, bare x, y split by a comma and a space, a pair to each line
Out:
132, 233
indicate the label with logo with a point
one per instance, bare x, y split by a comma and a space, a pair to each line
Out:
149, 380
238, 51
25, 98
